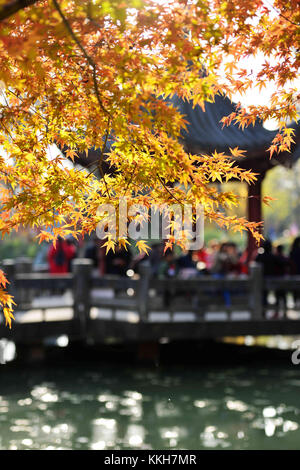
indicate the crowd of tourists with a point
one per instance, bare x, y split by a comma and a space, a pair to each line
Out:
216, 258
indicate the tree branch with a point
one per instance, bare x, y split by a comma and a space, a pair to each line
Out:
102, 156
97, 92
84, 52
167, 189
282, 15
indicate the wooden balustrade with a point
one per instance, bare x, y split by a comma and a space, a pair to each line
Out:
145, 296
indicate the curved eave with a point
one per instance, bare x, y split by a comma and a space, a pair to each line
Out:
206, 134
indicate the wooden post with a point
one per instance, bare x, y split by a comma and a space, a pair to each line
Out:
23, 266
9, 267
82, 271
256, 291
148, 351
143, 288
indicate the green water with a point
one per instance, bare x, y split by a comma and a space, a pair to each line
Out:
84, 406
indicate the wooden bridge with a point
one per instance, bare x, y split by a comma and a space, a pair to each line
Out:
94, 309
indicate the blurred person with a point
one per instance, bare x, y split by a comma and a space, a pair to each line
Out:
295, 265
212, 252
92, 251
186, 266
201, 258
219, 269
72, 251
101, 258
284, 268
60, 256
118, 262
168, 266
155, 257
295, 256
185, 260
167, 269
234, 265
272, 265
244, 262
226, 263
226, 260
137, 260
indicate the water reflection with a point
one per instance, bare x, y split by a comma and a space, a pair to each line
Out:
82, 407
104, 433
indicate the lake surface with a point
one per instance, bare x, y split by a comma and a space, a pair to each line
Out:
89, 406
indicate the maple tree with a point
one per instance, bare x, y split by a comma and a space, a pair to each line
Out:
83, 73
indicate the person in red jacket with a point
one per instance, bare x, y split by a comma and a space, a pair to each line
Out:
60, 256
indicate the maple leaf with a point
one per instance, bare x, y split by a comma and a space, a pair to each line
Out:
71, 154
267, 200
142, 246
110, 245
123, 242
3, 280
168, 246
236, 152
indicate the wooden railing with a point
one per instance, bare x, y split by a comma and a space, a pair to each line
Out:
155, 303
143, 294
146, 294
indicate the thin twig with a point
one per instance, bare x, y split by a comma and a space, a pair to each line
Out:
130, 180
84, 52
167, 189
102, 156
30, 108
280, 14
97, 93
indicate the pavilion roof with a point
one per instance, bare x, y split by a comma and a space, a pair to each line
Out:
205, 133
